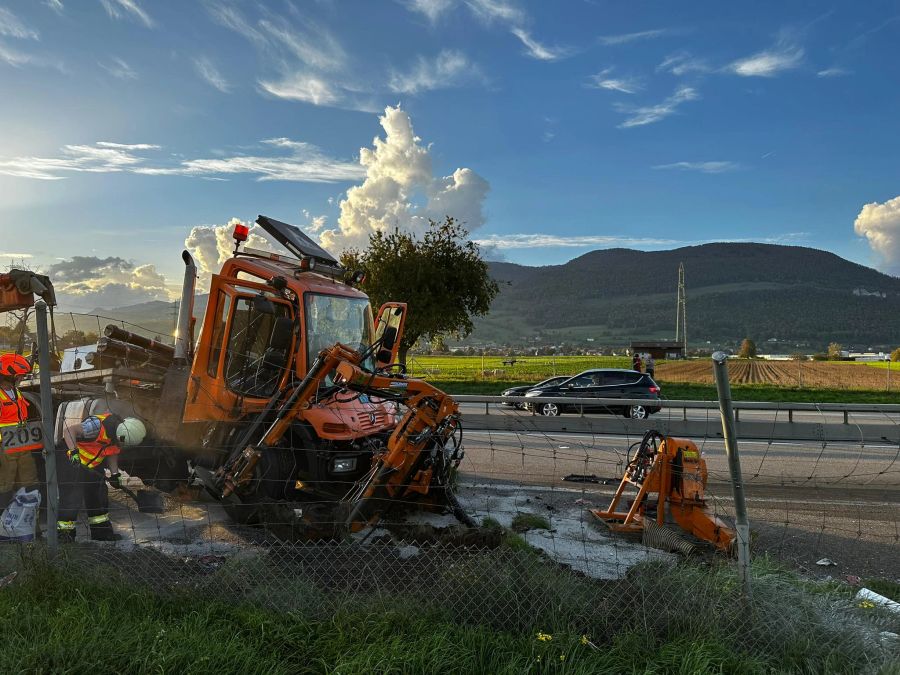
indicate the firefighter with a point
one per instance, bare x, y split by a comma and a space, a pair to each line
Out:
17, 466
86, 445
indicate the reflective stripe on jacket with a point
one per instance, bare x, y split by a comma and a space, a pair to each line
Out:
14, 413
92, 453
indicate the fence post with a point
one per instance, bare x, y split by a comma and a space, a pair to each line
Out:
720, 367
47, 418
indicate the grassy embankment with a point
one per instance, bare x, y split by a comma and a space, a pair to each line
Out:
661, 619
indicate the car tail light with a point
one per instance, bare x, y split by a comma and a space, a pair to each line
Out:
654, 390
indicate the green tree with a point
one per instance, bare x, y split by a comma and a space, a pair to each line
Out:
441, 276
895, 355
834, 351
748, 349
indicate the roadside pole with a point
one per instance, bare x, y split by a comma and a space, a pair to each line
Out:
47, 415
742, 525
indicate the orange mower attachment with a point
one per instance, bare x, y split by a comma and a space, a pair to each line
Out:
674, 471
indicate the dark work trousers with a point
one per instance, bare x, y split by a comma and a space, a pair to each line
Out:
79, 485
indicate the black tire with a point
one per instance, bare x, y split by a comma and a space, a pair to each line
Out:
637, 412
549, 409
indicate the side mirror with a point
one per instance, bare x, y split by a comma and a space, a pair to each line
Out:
389, 338
388, 333
263, 305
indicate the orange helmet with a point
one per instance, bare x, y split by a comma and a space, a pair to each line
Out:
14, 365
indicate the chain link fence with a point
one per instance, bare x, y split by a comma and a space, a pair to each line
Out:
824, 517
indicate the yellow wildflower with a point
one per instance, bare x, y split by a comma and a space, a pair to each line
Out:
867, 604
584, 640
562, 657
544, 637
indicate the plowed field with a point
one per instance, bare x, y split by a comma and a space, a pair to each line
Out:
808, 374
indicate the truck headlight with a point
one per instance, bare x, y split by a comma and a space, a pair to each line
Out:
343, 464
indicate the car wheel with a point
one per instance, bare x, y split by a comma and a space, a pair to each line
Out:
549, 409
637, 412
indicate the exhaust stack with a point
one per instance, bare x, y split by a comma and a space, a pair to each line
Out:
183, 346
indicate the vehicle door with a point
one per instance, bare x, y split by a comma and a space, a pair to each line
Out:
243, 353
582, 386
389, 333
612, 387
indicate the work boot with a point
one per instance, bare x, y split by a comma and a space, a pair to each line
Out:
104, 532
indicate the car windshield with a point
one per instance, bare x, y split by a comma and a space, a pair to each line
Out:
334, 318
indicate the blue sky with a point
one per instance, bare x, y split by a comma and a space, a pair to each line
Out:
580, 124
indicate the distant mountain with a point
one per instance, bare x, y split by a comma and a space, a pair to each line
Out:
791, 294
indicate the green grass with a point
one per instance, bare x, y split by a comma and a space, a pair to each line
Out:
522, 522
528, 369
661, 618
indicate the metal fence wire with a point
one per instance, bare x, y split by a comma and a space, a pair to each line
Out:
824, 523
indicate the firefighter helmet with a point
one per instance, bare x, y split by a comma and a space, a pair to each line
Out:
131, 431
14, 365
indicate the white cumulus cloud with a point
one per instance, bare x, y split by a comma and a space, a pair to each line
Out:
400, 189
212, 245
880, 225
88, 282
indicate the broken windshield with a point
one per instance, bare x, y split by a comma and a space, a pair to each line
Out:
334, 318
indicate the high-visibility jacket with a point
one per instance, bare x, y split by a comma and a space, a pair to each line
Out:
92, 453
13, 415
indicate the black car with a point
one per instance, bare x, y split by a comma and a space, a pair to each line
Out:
605, 383
520, 391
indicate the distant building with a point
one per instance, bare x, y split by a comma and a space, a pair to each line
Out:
660, 349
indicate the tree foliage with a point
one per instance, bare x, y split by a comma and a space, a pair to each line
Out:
748, 349
441, 277
834, 351
895, 355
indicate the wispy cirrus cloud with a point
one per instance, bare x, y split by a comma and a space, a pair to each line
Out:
702, 167
12, 26
433, 10
682, 63
450, 68
119, 69
516, 20
834, 71
207, 70
296, 161
127, 9
625, 38
605, 80
641, 115
55, 5
783, 55
306, 62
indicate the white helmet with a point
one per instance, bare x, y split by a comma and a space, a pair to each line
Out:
131, 431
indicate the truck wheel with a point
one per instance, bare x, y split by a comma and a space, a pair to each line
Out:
549, 409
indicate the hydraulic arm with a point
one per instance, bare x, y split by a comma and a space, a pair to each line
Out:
418, 456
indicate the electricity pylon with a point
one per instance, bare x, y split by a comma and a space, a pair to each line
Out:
681, 311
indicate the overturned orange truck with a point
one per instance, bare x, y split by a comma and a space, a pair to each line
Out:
290, 406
